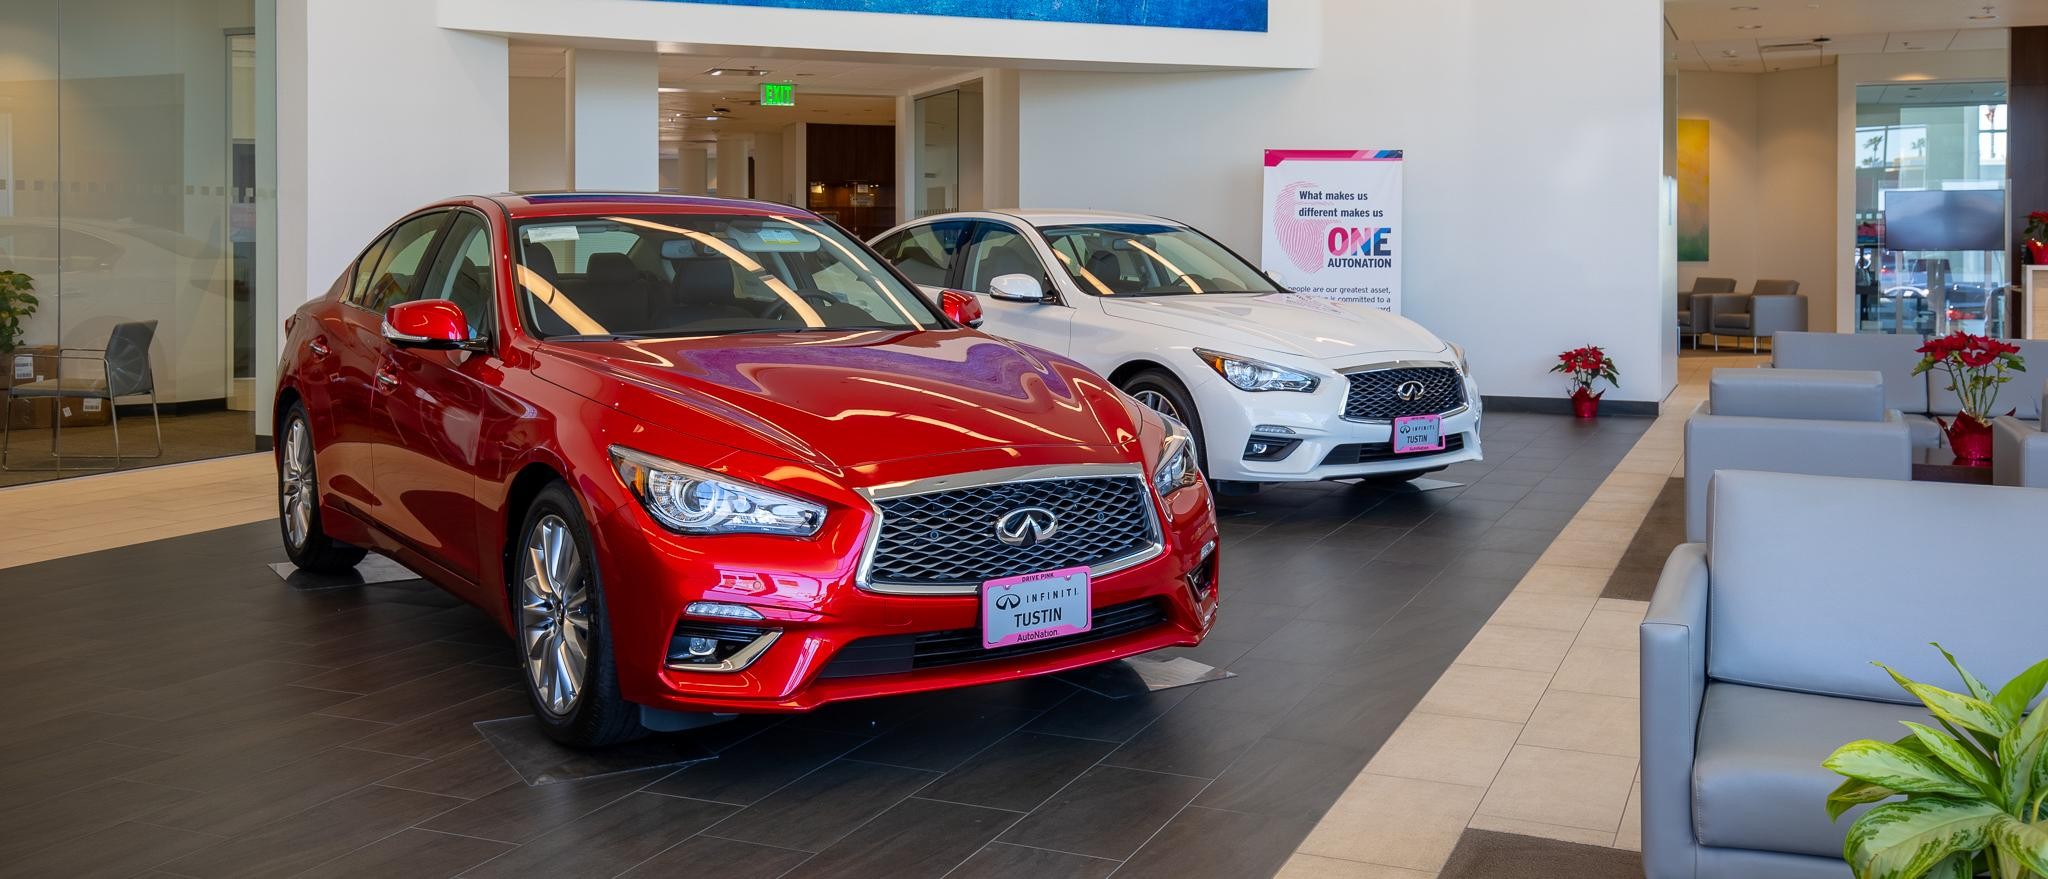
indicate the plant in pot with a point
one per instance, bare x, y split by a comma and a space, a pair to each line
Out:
1976, 790
1586, 366
1977, 367
17, 302
2037, 238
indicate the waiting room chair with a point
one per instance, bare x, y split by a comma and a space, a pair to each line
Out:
2019, 450
1773, 306
124, 372
1693, 321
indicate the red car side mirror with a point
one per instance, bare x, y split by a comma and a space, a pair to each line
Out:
435, 324
960, 307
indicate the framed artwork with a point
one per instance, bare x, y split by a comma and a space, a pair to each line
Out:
1692, 190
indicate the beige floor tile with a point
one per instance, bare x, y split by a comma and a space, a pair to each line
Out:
1542, 830
1627, 512
1613, 629
1440, 747
1639, 608
1537, 610
1554, 579
1396, 822
1490, 693
1584, 553
1305, 866
1570, 788
1589, 722
1517, 647
1602, 670
1630, 834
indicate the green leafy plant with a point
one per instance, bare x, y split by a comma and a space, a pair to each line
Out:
1976, 790
17, 302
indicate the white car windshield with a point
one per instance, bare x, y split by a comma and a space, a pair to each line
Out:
704, 274
1150, 259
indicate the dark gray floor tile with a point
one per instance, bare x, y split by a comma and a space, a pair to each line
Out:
1094, 716
75, 813
87, 763
516, 813
1477, 509
448, 730
914, 839
1244, 618
539, 759
944, 736
1193, 741
757, 767
469, 773
242, 752
414, 854
1315, 641
1494, 491
1202, 843
372, 675
280, 792
314, 836
1491, 563
1020, 772
818, 809
1552, 502
426, 695
1287, 779
115, 852
714, 858
1107, 813
1513, 539
1001, 860
609, 841
1261, 686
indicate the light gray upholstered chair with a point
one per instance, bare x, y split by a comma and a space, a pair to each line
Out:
1773, 306
1693, 322
1757, 646
2019, 449
124, 371
1891, 355
1816, 421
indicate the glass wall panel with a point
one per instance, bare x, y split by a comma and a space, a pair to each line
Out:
133, 142
937, 187
1913, 137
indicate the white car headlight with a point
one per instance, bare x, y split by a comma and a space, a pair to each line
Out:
1177, 468
1459, 350
1256, 375
694, 501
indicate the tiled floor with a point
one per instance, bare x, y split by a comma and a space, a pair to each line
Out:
177, 708
1533, 729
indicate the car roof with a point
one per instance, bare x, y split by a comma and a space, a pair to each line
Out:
1043, 217
521, 205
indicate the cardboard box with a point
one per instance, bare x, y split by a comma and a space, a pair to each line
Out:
32, 363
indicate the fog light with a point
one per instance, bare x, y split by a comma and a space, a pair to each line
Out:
717, 647
1262, 448
702, 647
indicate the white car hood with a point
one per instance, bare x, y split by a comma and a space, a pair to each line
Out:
1291, 323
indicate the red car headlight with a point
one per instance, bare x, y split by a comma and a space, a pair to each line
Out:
694, 501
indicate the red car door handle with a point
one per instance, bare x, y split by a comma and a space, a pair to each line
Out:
318, 347
386, 378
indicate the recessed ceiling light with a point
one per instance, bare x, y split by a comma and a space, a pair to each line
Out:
1748, 27
736, 71
1741, 9
668, 90
1986, 15
712, 118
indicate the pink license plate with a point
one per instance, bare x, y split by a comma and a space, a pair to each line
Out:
1418, 433
1034, 607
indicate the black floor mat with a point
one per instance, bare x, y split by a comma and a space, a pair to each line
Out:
1662, 530
1483, 854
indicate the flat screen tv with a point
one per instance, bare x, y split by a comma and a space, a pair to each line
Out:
1944, 219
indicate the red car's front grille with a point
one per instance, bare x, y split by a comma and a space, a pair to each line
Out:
896, 654
948, 538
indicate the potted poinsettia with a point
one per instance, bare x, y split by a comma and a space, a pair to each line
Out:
1586, 366
1977, 367
1975, 790
2037, 238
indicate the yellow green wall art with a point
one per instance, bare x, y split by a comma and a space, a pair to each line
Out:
1692, 190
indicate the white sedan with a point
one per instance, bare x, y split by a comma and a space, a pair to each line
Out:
1276, 386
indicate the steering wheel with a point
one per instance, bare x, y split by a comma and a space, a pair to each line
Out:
782, 311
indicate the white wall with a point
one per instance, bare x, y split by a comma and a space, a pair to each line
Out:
1533, 173
614, 120
1727, 101
693, 171
539, 135
360, 143
796, 176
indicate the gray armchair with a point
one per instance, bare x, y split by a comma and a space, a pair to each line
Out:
1694, 322
1772, 307
1756, 657
2019, 449
124, 371
1823, 422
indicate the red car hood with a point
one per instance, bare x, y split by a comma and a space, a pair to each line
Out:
838, 400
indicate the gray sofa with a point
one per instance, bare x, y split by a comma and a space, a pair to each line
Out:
1698, 322
2019, 450
1821, 422
1757, 646
1918, 398
1773, 306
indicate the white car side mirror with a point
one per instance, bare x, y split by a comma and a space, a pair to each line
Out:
1016, 288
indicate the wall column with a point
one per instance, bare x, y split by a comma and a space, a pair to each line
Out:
733, 150
2027, 127
614, 120
693, 173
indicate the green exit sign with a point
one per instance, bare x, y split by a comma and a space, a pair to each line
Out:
778, 94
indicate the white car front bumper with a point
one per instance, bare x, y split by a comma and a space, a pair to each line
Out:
1326, 445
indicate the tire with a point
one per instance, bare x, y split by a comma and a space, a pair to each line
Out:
558, 611
1161, 392
298, 503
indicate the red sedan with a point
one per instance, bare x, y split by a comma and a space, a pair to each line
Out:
706, 456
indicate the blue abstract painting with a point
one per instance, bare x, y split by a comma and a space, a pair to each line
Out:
1221, 15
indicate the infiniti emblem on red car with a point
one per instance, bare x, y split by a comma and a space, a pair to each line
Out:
1025, 527
1410, 390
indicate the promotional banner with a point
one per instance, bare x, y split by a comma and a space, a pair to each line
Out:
1332, 224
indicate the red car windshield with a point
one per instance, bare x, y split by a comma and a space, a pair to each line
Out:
704, 274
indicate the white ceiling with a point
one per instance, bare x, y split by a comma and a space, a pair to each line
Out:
1756, 36
845, 92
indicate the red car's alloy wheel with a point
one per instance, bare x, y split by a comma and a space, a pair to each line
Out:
554, 615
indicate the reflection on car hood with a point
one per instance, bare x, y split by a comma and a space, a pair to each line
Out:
840, 399
1293, 323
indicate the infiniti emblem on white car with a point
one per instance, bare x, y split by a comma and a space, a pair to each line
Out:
1410, 390
1027, 526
